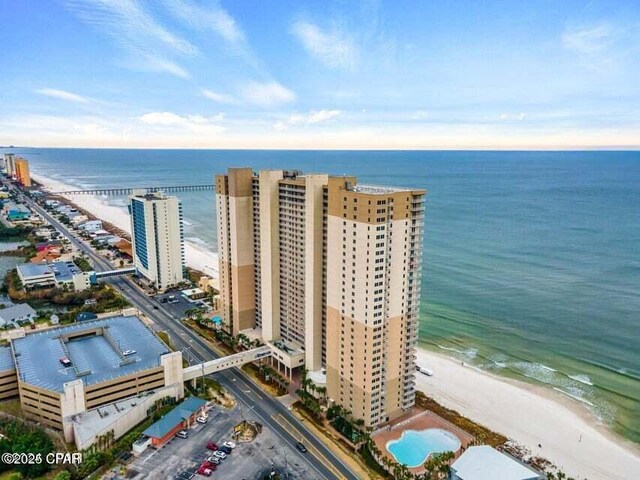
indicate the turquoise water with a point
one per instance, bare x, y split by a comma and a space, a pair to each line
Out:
414, 447
531, 259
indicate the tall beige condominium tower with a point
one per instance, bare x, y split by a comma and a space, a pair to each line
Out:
22, 174
333, 269
374, 260
157, 238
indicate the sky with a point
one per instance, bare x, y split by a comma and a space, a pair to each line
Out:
347, 74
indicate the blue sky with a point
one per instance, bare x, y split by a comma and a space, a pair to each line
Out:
320, 74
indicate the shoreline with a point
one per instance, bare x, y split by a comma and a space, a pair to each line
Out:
196, 256
572, 437
527, 413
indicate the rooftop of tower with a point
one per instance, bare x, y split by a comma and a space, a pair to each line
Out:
378, 189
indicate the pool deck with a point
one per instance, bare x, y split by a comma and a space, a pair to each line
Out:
417, 420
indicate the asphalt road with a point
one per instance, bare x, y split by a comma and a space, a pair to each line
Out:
268, 409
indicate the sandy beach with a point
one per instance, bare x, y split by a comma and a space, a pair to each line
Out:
570, 435
197, 257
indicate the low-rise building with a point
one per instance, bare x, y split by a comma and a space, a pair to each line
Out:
47, 274
15, 211
17, 315
486, 463
91, 226
65, 371
182, 416
78, 219
49, 254
209, 284
36, 275
194, 293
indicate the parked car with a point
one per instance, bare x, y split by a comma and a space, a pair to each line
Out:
208, 464
212, 446
221, 455
202, 420
182, 434
204, 471
229, 444
224, 449
65, 362
128, 352
300, 446
213, 459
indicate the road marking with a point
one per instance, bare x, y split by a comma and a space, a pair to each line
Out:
299, 437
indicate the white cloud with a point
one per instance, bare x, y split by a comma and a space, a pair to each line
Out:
213, 17
266, 94
513, 116
589, 40
63, 95
217, 97
162, 65
137, 32
196, 123
314, 116
334, 48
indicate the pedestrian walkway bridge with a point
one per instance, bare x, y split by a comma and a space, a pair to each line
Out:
114, 273
231, 361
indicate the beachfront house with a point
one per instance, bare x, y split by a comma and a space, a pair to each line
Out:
91, 226
486, 463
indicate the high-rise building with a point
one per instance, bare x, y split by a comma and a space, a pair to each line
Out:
157, 238
9, 164
323, 266
22, 174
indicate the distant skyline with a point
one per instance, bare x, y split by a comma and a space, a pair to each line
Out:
313, 75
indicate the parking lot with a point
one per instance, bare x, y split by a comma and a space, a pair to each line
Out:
180, 458
178, 307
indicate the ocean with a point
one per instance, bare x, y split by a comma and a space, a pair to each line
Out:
531, 259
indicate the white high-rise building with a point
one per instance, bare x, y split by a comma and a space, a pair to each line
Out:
157, 238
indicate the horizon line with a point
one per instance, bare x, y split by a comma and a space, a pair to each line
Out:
621, 148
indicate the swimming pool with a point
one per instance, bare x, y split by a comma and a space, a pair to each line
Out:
414, 447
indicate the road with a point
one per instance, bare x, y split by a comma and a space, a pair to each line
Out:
271, 412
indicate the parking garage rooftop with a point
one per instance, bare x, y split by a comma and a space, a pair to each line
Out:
95, 351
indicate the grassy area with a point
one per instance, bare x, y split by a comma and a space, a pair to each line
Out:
83, 264
480, 432
12, 407
164, 336
69, 301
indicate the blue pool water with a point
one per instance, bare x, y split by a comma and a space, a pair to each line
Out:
414, 447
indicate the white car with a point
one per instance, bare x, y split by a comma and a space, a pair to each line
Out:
220, 455
229, 444
202, 420
128, 352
